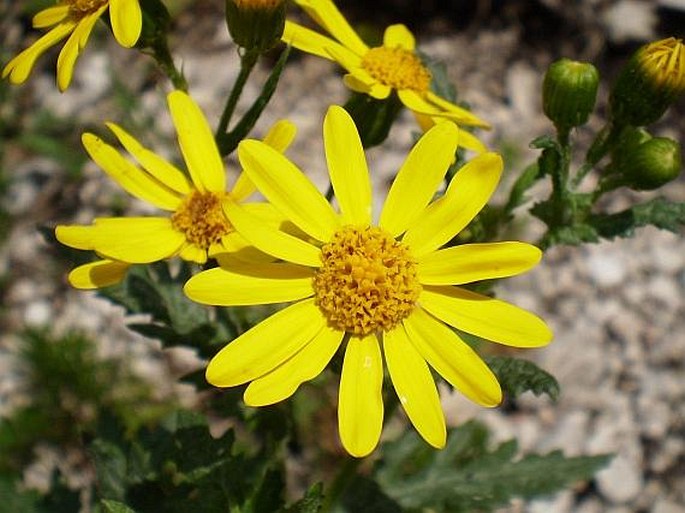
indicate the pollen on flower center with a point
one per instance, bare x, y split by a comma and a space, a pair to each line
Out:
398, 68
80, 8
201, 219
368, 281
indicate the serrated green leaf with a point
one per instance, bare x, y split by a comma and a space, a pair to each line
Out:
109, 506
658, 212
467, 476
545, 142
517, 376
111, 469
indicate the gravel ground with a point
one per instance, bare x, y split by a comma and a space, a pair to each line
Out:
617, 308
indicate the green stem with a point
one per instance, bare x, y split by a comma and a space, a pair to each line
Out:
247, 64
161, 54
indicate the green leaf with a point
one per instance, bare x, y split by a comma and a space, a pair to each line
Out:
16, 500
517, 376
658, 212
366, 495
115, 507
468, 476
517, 196
111, 469
310, 503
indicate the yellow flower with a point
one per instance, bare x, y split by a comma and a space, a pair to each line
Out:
664, 63
393, 66
377, 287
74, 18
195, 228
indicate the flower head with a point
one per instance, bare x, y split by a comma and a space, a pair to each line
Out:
379, 71
256, 25
75, 19
381, 290
195, 227
649, 83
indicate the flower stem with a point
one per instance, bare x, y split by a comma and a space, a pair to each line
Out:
161, 54
247, 64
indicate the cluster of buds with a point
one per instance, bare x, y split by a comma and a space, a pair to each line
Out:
651, 81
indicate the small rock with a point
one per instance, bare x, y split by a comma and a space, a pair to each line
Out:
621, 482
664, 506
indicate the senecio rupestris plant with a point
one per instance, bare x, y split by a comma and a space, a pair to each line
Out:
298, 300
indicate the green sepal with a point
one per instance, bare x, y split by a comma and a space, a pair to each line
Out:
373, 117
256, 28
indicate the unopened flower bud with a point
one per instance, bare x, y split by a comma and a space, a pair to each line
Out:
652, 164
256, 24
651, 81
569, 92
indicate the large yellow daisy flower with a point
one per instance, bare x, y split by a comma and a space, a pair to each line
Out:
74, 18
385, 288
378, 71
196, 227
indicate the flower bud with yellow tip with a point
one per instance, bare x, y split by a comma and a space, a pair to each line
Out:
651, 81
652, 164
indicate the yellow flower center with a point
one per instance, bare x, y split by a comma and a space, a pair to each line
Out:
367, 282
201, 219
397, 68
80, 8
664, 62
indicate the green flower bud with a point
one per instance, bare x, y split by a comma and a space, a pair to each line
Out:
651, 81
629, 139
256, 24
569, 92
652, 164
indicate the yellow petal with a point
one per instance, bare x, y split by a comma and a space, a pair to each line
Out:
166, 173
326, 14
95, 275
485, 317
309, 41
466, 195
79, 237
456, 113
271, 240
419, 177
136, 240
283, 381
287, 189
347, 167
453, 359
50, 16
360, 402
415, 387
197, 144
347, 59
266, 346
234, 245
474, 262
357, 81
398, 36
131, 178
127, 21
250, 284
19, 68
279, 138
190, 252
432, 105
72, 48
